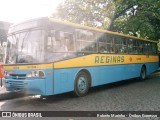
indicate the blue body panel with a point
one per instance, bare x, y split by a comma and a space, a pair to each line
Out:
40, 86
64, 78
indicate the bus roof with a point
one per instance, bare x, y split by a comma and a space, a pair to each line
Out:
80, 26
96, 29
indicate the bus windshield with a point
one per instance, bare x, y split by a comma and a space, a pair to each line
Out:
25, 47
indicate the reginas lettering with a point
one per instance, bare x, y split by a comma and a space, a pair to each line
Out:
109, 59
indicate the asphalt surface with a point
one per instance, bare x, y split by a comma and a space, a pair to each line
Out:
131, 95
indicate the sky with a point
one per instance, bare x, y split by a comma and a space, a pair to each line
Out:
15, 11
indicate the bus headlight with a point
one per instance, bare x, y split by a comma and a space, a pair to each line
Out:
36, 73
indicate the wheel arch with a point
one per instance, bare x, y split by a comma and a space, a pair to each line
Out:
88, 73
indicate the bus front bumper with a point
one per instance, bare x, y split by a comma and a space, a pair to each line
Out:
33, 86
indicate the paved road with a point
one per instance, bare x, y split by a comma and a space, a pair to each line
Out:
131, 95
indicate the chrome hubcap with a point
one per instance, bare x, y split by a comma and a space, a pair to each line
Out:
82, 84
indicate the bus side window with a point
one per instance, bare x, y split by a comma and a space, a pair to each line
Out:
110, 44
119, 43
67, 41
130, 46
101, 43
145, 48
53, 41
135, 46
124, 46
105, 42
86, 41
154, 48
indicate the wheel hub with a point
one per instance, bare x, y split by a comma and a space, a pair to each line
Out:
82, 84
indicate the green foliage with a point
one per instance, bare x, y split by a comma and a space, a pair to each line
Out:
141, 18
135, 17
87, 12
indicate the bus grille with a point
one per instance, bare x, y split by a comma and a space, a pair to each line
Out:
16, 84
18, 76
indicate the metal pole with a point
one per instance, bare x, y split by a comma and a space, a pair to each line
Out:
1, 82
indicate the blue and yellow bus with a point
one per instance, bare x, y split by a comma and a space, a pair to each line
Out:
48, 57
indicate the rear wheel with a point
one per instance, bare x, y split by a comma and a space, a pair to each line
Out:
81, 85
143, 74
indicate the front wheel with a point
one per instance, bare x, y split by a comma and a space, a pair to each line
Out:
81, 85
143, 74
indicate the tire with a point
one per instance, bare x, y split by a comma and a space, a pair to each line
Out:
81, 85
143, 74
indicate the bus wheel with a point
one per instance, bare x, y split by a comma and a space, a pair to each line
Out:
143, 75
81, 85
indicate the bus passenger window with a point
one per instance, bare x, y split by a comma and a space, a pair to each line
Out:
68, 41
154, 48
145, 48
86, 41
111, 50
53, 43
103, 50
121, 45
118, 44
131, 46
63, 45
139, 44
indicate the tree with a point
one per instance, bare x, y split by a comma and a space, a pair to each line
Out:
135, 17
141, 18
87, 12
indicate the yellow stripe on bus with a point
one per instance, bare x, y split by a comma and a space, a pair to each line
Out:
105, 59
19, 67
90, 60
